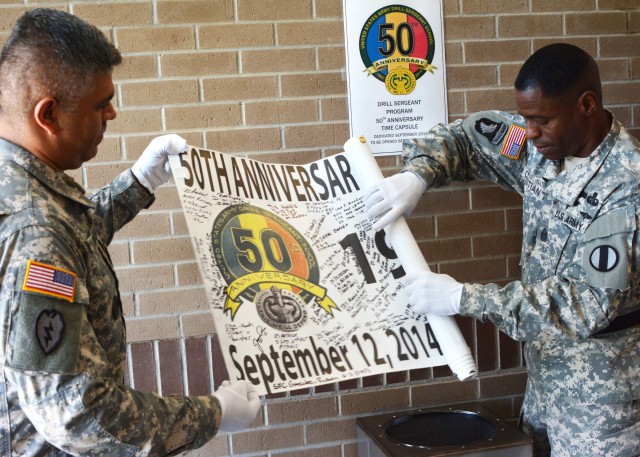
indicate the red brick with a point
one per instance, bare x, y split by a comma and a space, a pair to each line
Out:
170, 367
142, 361
197, 362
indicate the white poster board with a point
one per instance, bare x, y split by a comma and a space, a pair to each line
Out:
303, 292
395, 70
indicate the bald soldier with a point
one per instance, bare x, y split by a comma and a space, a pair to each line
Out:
577, 306
62, 332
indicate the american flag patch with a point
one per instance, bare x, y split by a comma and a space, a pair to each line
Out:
516, 137
49, 280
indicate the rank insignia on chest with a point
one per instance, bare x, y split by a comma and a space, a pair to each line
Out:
514, 141
49, 280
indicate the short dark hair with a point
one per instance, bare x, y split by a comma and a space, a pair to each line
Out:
53, 52
558, 69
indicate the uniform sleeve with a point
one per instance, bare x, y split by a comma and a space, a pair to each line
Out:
596, 282
66, 385
549, 309
83, 415
488, 145
118, 203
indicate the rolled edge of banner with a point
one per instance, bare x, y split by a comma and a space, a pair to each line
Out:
176, 167
463, 366
454, 348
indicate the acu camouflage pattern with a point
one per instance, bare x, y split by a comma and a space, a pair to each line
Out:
562, 299
74, 400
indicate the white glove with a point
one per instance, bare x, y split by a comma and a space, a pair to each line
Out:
239, 404
433, 293
152, 169
393, 197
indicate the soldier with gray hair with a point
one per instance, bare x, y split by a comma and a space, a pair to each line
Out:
577, 306
62, 332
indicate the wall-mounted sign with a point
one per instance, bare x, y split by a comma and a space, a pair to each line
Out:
395, 70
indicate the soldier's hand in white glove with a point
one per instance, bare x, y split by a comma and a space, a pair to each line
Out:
393, 197
152, 169
433, 293
239, 403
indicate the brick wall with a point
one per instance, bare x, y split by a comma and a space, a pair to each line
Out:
263, 78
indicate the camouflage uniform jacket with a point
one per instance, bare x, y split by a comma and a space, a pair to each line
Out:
62, 331
580, 253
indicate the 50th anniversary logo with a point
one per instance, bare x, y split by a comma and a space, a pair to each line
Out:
264, 259
397, 47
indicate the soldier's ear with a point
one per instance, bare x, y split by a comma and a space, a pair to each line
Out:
45, 115
588, 102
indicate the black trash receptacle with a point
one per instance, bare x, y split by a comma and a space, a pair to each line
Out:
468, 430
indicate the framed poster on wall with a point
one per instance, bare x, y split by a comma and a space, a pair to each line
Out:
395, 70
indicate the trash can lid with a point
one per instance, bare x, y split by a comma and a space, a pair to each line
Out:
440, 429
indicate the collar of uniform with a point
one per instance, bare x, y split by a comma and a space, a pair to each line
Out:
58, 182
567, 187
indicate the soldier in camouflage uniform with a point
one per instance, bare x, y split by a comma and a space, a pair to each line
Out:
576, 307
62, 331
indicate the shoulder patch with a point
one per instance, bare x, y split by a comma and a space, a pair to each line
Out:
49, 329
604, 258
491, 130
49, 280
515, 140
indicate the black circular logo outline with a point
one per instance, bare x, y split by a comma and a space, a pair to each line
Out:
608, 248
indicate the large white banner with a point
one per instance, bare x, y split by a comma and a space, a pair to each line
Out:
395, 70
302, 291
